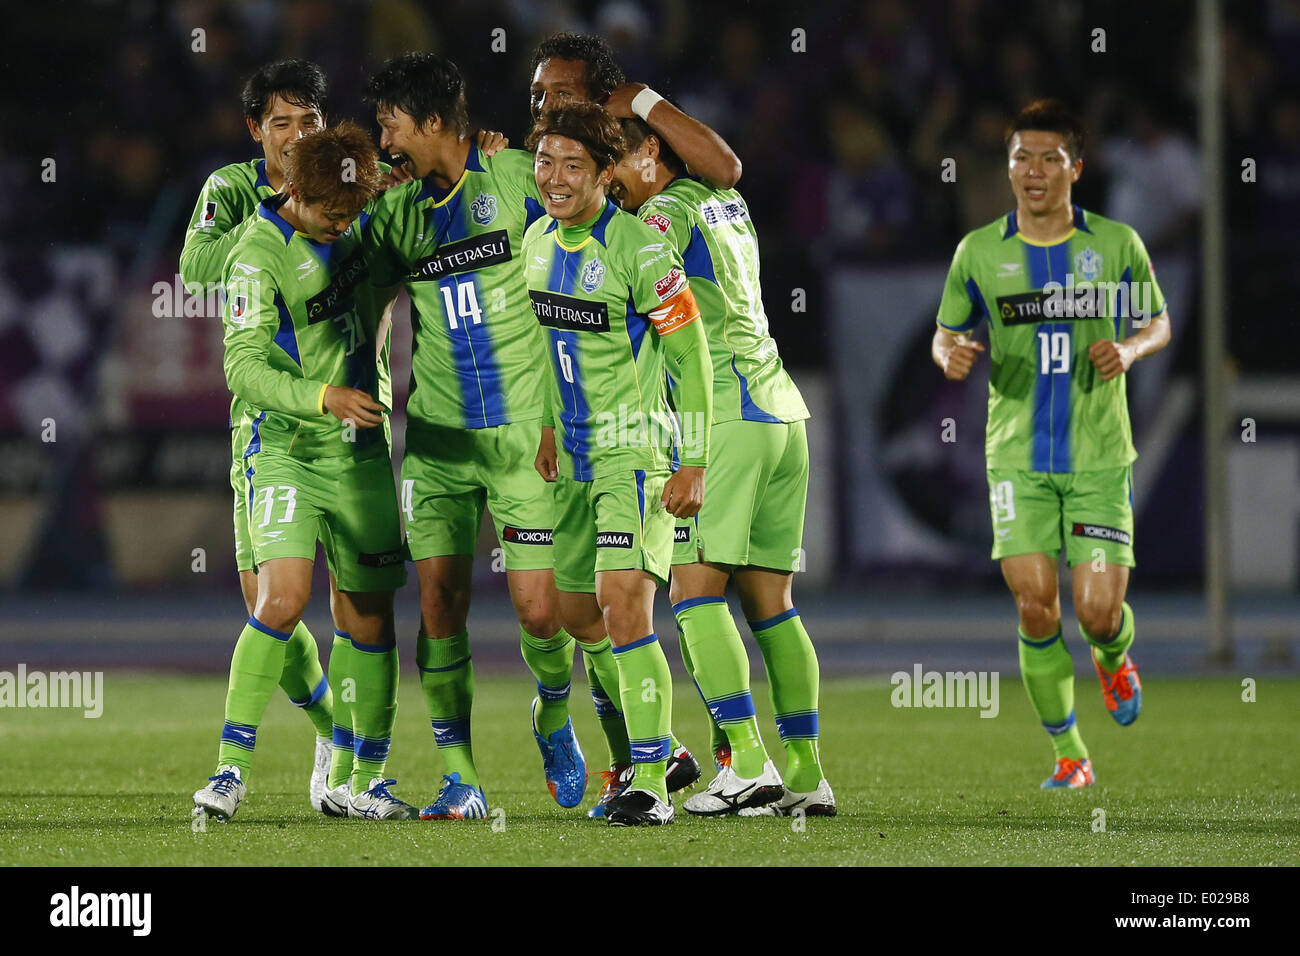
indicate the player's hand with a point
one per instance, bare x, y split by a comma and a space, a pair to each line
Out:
395, 177
684, 492
1110, 358
491, 142
619, 101
961, 360
352, 403
547, 460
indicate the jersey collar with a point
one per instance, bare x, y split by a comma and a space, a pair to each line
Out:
261, 175
597, 228
269, 209
1012, 228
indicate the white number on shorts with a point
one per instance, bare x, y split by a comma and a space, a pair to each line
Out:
408, 498
1004, 504
1054, 352
266, 500
465, 307
566, 362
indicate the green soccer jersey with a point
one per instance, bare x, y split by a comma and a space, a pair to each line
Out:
712, 232
614, 301
1049, 410
294, 326
475, 340
221, 215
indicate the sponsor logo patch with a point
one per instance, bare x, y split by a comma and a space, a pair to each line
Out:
209, 216
670, 284
565, 312
659, 221
464, 255
336, 298
382, 559
614, 539
1102, 532
512, 535
681, 534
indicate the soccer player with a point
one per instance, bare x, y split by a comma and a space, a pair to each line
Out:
753, 532
567, 68
1058, 445
282, 102
615, 302
300, 349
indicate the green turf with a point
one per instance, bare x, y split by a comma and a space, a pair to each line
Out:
1203, 778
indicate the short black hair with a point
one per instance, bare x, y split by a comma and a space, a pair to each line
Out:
299, 82
423, 85
603, 71
1050, 116
635, 131
584, 122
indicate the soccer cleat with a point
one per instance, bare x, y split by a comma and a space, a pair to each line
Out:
1122, 690
722, 757
682, 771
634, 808
729, 793
335, 803
1070, 775
562, 762
815, 803
320, 772
616, 780
223, 794
456, 801
378, 804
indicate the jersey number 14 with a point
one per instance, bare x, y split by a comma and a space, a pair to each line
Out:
465, 308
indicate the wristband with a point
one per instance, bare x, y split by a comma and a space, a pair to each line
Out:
321, 400
644, 102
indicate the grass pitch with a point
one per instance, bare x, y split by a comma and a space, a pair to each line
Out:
1202, 778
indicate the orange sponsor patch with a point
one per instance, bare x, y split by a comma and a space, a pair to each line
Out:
678, 311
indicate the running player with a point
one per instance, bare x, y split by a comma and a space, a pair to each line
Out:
299, 349
571, 67
753, 533
1059, 445
282, 102
599, 280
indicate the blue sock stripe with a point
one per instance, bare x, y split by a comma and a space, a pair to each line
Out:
763, 625
322, 687
554, 693
698, 691
372, 648
1039, 645
797, 726
343, 737
243, 736
449, 731
443, 670
696, 602
257, 625
652, 750
370, 748
733, 708
604, 706
1057, 729
649, 639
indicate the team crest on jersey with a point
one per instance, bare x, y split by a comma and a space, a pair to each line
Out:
593, 276
483, 209
239, 308
209, 216
1087, 264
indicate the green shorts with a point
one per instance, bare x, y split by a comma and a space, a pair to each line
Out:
755, 490
1091, 510
611, 523
351, 506
243, 542
450, 474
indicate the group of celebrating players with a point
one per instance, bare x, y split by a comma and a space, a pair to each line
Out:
588, 338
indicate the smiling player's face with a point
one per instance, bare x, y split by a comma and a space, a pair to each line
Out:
1041, 172
572, 187
282, 125
557, 82
634, 177
403, 141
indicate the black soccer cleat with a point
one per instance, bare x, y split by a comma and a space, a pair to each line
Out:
683, 770
635, 808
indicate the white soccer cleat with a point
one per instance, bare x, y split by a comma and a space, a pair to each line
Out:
320, 772
815, 803
378, 804
335, 803
730, 793
223, 794
636, 808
